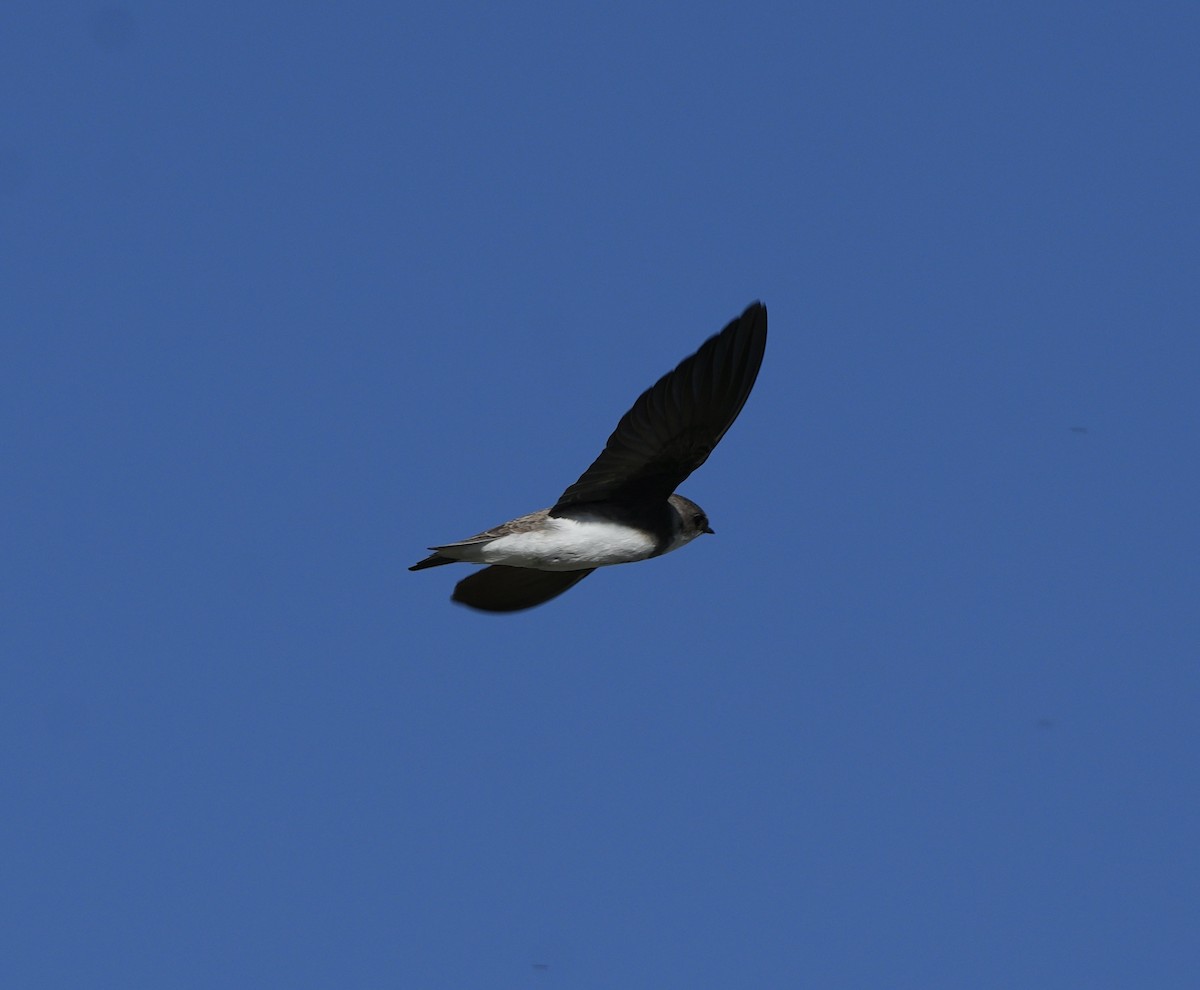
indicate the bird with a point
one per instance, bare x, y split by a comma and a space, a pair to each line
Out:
624, 507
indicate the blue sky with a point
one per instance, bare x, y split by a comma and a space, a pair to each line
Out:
291, 291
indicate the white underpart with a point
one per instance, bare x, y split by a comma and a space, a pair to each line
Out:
568, 545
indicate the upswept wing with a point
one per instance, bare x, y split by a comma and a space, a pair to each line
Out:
675, 424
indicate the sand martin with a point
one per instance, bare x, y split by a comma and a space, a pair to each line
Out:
623, 508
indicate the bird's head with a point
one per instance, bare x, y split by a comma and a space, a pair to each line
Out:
692, 519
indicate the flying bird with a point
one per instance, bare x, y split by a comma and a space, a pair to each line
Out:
624, 507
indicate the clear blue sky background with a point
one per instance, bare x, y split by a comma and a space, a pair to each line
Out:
291, 291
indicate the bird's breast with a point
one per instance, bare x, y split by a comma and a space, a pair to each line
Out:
571, 545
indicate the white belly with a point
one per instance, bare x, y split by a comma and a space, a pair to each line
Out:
569, 545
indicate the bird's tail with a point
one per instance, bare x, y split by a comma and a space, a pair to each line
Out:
433, 560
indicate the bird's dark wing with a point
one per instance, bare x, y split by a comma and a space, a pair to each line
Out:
509, 589
674, 426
